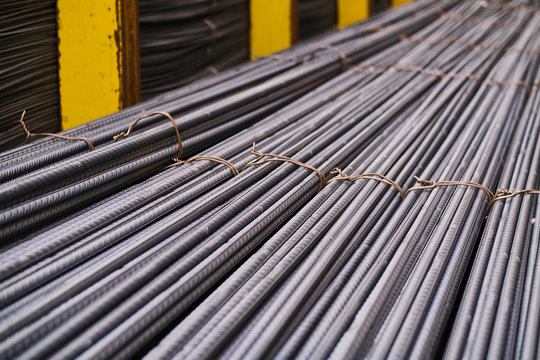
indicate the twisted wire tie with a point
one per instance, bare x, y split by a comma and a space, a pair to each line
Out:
427, 184
213, 29
500, 194
273, 157
218, 160
282, 58
342, 57
400, 29
434, 72
503, 193
213, 70
277, 57
419, 39
519, 83
71, 138
440, 74
168, 116
368, 176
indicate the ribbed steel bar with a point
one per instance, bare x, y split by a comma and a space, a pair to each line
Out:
249, 330
210, 204
439, 230
496, 282
263, 264
400, 96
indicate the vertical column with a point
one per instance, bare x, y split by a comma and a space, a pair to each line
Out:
351, 11
274, 25
396, 3
98, 58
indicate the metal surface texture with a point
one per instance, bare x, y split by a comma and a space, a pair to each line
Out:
114, 253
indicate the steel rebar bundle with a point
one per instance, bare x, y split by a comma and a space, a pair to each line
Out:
39, 271
49, 192
294, 227
53, 300
301, 295
499, 311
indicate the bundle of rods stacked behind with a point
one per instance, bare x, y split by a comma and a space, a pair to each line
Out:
315, 17
307, 235
28, 68
182, 41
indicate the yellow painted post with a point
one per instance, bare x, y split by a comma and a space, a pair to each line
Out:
98, 58
396, 3
352, 11
274, 26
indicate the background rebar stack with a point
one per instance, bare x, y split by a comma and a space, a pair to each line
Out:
315, 17
185, 40
29, 69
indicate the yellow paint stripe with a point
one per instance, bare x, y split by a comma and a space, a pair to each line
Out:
396, 3
89, 45
352, 11
272, 26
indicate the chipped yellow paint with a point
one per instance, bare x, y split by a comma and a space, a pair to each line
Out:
351, 11
90, 77
272, 26
396, 3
